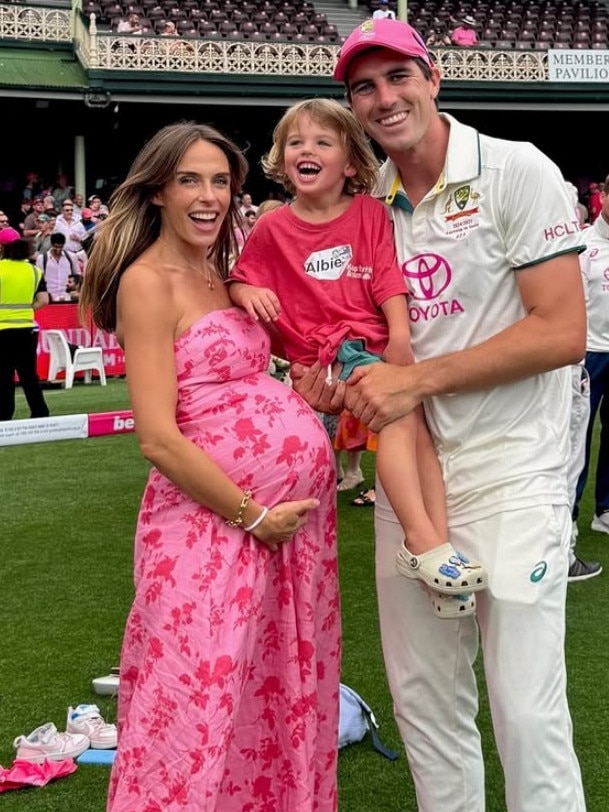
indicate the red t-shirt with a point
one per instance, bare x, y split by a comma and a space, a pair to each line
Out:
331, 278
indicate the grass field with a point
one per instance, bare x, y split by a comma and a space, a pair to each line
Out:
68, 515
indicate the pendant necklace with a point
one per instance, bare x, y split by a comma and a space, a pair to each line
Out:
198, 271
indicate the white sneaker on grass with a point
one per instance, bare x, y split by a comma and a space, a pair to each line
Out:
108, 685
87, 720
601, 523
46, 743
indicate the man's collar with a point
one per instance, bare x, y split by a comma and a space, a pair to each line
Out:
463, 162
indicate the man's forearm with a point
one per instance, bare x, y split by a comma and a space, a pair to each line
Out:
526, 348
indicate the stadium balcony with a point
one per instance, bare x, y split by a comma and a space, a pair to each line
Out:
218, 54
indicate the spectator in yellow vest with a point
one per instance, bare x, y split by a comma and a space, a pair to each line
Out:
22, 291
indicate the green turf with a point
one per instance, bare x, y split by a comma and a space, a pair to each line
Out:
68, 514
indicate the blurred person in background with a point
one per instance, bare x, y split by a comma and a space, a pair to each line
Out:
22, 292
597, 362
464, 35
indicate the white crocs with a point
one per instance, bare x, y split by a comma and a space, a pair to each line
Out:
87, 719
46, 743
442, 569
452, 607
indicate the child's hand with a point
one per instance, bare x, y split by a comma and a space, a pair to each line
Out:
260, 303
398, 351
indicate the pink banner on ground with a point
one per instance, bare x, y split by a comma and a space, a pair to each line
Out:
110, 423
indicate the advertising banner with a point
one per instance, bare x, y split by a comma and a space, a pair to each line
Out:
65, 317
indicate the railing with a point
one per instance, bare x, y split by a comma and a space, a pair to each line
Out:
36, 24
120, 52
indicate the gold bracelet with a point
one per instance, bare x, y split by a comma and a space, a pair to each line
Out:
238, 520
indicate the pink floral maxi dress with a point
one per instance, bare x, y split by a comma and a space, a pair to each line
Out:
231, 656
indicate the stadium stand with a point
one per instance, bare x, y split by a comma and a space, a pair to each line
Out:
505, 25
501, 24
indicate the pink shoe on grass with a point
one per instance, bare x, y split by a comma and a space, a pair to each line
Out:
46, 743
88, 721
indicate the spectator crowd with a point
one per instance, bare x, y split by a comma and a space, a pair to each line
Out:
60, 225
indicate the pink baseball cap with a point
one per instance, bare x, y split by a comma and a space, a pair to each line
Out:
8, 235
393, 34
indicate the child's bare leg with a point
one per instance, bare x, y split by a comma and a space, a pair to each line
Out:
410, 473
430, 475
418, 502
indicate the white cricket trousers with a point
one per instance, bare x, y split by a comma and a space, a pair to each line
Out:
429, 664
578, 430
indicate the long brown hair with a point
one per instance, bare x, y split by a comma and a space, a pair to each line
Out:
134, 222
332, 114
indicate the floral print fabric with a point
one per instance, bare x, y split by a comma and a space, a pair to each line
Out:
230, 665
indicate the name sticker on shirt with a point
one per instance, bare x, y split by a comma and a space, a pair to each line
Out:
461, 212
328, 264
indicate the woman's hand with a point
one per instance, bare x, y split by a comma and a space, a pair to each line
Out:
283, 521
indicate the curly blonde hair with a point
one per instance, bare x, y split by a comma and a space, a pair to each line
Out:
332, 114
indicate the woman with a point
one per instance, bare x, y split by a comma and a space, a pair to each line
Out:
230, 661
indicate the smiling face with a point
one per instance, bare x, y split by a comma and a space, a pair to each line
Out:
196, 200
315, 160
392, 98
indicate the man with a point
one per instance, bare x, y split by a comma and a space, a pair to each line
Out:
73, 287
383, 12
74, 232
169, 29
18, 217
497, 309
464, 35
132, 25
579, 569
597, 361
57, 265
41, 241
87, 220
63, 191
438, 38
22, 291
246, 204
79, 202
31, 226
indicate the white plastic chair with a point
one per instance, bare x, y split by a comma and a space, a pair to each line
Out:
86, 359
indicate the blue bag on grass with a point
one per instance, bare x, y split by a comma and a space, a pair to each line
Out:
356, 719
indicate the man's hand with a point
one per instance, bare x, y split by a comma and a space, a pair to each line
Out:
378, 394
311, 384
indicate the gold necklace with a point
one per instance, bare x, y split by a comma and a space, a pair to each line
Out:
198, 271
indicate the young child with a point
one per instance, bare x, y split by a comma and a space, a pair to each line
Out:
322, 274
